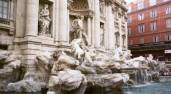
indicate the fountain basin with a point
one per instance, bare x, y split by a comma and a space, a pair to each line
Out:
150, 88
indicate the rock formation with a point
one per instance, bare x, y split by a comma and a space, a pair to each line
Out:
144, 69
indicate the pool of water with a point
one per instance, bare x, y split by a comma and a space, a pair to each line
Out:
150, 88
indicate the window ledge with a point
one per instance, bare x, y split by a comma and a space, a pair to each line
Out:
6, 24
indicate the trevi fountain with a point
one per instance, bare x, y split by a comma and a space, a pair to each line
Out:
73, 47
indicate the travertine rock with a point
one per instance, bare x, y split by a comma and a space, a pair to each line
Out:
24, 86
67, 79
10, 70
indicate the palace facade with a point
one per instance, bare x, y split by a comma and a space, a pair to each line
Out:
33, 27
149, 27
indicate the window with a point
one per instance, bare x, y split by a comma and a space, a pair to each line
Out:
168, 10
129, 31
152, 2
141, 40
168, 23
168, 37
155, 39
4, 9
130, 42
140, 5
153, 26
140, 17
141, 28
153, 14
129, 20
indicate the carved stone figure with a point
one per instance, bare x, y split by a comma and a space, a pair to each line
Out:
127, 55
118, 54
63, 61
76, 48
44, 20
65, 77
78, 31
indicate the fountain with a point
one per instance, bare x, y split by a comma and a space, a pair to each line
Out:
79, 69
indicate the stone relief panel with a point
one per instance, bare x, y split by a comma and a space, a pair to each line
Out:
45, 19
79, 5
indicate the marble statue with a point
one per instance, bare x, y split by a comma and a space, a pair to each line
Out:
78, 30
118, 53
76, 48
44, 20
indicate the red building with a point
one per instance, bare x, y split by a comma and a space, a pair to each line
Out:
149, 28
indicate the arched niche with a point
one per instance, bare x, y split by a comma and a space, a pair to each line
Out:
117, 39
79, 8
46, 16
124, 41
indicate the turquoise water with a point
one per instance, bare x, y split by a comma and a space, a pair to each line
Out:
150, 88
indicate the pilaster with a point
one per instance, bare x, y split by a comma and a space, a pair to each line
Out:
63, 34
32, 10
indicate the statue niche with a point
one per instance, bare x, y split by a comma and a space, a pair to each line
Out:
44, 21
78, 30
102, 34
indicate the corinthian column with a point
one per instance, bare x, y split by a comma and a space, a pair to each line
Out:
30, 49
32, 9
96, 33
63, 22
89, 29
110, 28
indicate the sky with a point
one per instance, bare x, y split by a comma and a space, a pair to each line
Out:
128, 1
